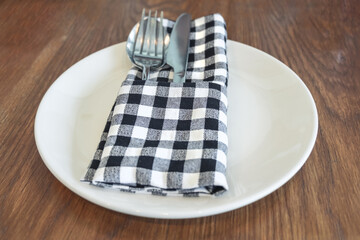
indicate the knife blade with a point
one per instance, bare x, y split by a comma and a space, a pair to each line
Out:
177, 53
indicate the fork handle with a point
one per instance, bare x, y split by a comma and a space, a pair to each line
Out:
145, 73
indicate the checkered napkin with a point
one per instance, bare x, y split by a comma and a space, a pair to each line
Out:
167, 138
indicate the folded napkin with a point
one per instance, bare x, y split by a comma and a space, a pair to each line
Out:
167, 138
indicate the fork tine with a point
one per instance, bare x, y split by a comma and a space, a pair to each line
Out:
152, 30
146, 44
160, 37
140, 34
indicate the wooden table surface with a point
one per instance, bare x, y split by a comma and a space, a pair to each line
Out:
319, 40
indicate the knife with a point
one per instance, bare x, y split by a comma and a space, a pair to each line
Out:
177, 53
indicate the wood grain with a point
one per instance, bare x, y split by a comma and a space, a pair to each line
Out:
319, 40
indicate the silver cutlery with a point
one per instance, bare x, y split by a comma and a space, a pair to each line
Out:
177, 52
146, 46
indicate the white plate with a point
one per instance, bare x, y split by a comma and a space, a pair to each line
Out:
272, 130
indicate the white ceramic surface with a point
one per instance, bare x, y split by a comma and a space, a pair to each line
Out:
272, 129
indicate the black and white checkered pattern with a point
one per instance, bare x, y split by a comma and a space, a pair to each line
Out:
168, 138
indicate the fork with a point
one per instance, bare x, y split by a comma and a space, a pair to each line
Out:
149, 43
